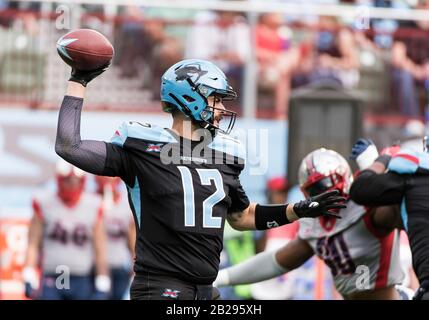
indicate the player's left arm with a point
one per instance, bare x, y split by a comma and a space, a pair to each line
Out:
262, 217
245, 219
102, 279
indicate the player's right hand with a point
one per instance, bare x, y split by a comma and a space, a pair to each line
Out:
84, 77
31, 282
320, 205
364, 152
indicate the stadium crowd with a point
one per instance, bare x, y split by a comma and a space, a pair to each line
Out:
290, 52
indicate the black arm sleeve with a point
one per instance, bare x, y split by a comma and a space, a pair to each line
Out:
97, 157
372, 189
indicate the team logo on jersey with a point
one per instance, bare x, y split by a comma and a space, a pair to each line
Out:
168, 293
154, 147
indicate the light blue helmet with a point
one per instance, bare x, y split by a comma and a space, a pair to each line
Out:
186, 86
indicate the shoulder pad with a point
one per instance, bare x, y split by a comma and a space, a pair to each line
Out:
226, 144
144, 131
406, 161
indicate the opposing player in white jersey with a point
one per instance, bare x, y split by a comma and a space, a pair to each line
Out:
67, 237
361, 249
121, 233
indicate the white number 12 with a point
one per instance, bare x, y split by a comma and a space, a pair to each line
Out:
206, 177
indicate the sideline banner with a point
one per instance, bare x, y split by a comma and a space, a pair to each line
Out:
13, 246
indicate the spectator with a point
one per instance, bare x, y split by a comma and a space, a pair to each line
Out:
223, 38
276, 58
334, 58
146, 50
410, 62
132, 46
27, 12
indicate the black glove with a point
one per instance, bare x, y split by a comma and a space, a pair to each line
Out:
320, 205
422, 292
84, 77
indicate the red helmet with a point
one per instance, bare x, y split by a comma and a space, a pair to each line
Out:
323, 170
277, 184
70, 182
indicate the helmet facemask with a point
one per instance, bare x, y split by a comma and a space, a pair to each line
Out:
319, 183
212, 117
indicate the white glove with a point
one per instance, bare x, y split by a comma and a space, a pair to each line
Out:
30, 276
222, 279
260, 267
364, 152
367, 158
103, 283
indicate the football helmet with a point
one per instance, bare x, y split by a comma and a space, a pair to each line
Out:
187, 85
70, 182
322, 170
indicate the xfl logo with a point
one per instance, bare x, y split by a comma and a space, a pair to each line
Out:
168, 293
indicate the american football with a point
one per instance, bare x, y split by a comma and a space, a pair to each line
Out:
85, 49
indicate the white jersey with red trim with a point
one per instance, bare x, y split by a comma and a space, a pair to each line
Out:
117, 220
358, 257
68, 232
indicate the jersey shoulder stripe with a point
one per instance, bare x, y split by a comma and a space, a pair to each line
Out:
228, 145
408, 161
144, 131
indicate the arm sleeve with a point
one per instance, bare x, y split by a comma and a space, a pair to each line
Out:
97, 157
262, 266
372, 189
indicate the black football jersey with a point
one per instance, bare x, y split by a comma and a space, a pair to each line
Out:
180, 192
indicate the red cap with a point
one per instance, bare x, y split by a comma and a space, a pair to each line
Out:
277, 184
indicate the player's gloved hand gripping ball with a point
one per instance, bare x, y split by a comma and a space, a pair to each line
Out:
87, 51
320, 205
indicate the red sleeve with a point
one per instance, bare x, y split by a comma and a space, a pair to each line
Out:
37, 210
